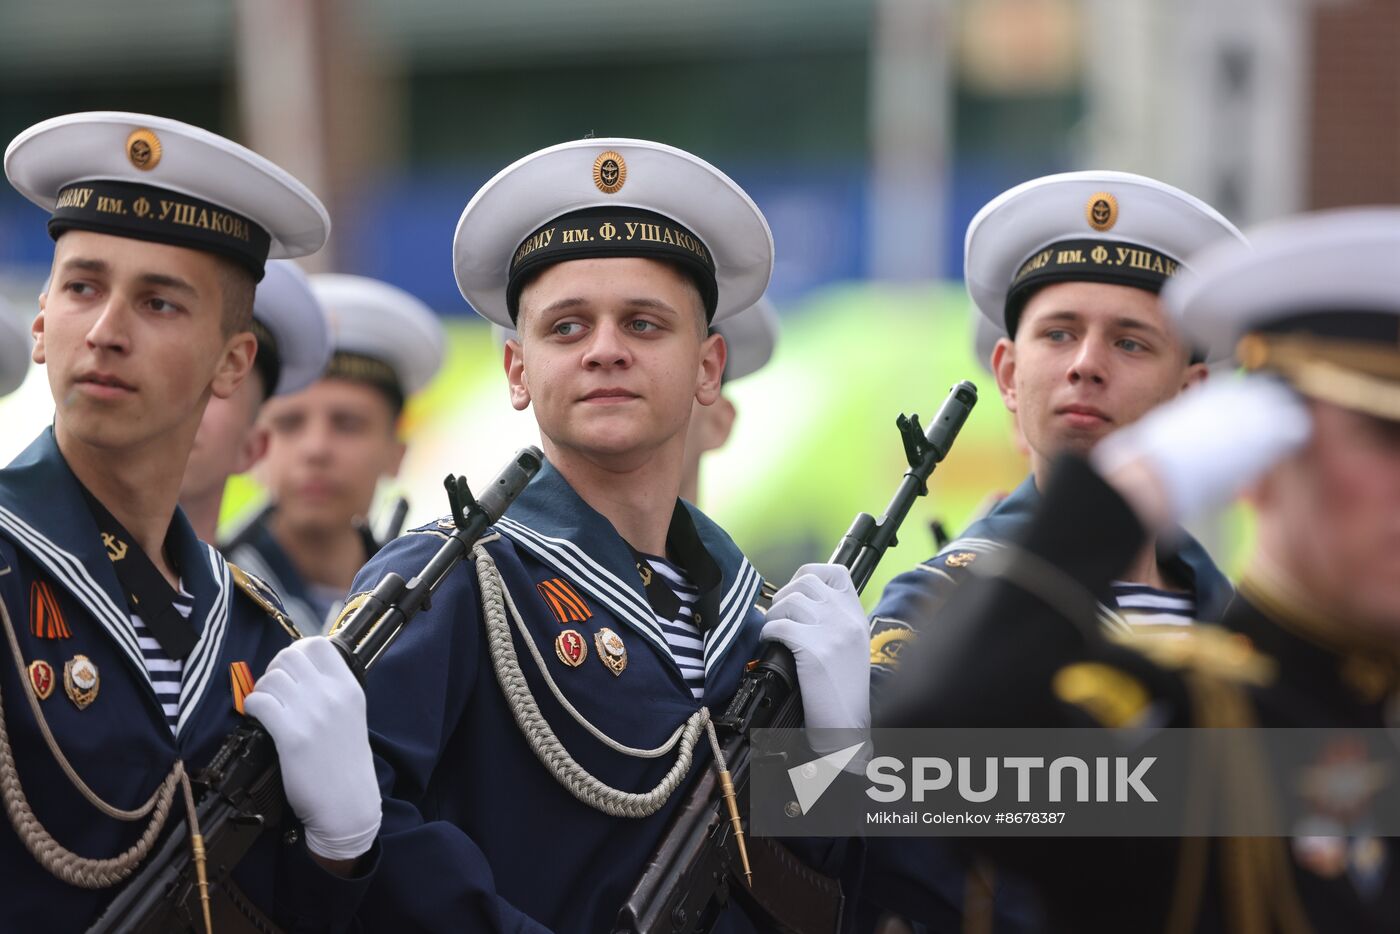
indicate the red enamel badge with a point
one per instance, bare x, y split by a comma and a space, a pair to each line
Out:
41, 677
571, 648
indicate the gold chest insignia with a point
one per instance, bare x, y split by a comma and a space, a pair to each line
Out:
611, 650
80, 680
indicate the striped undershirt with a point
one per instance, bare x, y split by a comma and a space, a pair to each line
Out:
166, 672
683, 637
1142, 605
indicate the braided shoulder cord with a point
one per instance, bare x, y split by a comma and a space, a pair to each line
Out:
496, 603
81, 871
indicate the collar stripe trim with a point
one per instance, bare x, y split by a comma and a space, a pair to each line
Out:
210, 645
70, 571
746, 584
566, 557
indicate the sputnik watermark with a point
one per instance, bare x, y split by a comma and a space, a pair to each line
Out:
1115, 779
1075, 782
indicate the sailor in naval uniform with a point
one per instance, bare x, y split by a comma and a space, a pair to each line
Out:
603, 613
749, 339
294, 344
131, 646
1068, 269
331, 444
1311, 310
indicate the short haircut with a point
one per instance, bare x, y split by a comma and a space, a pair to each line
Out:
238, 288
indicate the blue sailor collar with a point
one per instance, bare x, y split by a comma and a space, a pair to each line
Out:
551, 522
43, 512
1179, 552
256, 550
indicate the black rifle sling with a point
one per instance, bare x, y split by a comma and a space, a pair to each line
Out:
803, 900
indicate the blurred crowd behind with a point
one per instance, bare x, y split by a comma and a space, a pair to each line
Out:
868, 131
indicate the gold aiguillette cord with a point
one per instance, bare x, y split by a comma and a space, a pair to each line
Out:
197, 850
731, 801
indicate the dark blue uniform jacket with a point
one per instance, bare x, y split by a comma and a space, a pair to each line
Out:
477, 834
54, 566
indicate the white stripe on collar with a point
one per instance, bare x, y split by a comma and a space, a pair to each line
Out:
605, 586
740, 599
67, 569
203, 660
1108, 618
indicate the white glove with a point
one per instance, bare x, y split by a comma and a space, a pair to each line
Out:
818, 616
1206, 446
310, 702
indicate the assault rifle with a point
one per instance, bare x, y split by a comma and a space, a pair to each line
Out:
687, 882
239, 794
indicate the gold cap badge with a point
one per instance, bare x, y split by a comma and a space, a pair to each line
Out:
609, 172
143, 149
1101, 211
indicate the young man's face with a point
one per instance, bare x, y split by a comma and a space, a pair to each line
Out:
229, 440
132, 335
1088, 358
1331, 516
613, 354
329, 445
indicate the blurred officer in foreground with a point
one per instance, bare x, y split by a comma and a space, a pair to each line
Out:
1311, 639
294, 343
331, 444
613, 613
132, 644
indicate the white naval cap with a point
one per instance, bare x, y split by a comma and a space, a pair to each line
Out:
294, 335
1096, 226
16, 345
1315, 298
749, 338
606, 197
985, 334
152, 178
380, 334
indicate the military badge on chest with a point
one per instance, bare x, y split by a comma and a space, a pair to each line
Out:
570, 648
41, 678
611, 650
80, 680
45, 618
563, 601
